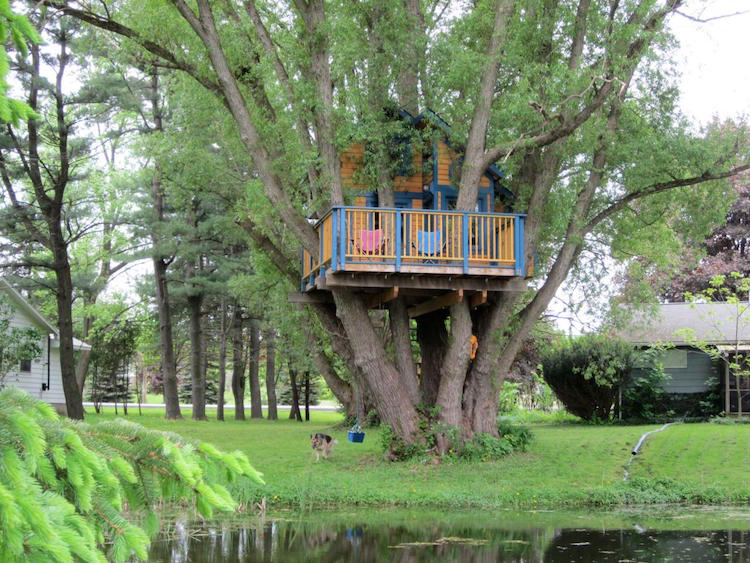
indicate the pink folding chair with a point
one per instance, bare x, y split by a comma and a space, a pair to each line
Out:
371, 242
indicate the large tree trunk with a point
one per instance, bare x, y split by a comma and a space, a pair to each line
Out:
270, 339
256, 408
379, 374
196, 360
222, 360
168, 363
238, 365
73, 399
433, 340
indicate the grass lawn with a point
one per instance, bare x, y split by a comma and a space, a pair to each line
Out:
565, 465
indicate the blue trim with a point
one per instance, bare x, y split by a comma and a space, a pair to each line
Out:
398, 240
521, 259
302, 270
342, 235
334, 249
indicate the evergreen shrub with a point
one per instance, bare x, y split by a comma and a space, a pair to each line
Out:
71, 491
585, 373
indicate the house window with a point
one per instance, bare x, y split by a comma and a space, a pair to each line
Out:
674, 359
25, 366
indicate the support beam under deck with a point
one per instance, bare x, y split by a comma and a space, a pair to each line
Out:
445, 300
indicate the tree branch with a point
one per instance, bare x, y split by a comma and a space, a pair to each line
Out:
658, 188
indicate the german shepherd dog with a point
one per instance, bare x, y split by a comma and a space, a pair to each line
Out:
322, 443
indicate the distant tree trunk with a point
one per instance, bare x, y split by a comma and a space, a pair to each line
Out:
270, 338
127, 392
196, 361
294, 411
307, 395
84, 356
168, 364
222, 360
238, 365
256, 409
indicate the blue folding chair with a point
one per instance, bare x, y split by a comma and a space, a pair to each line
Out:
429, 243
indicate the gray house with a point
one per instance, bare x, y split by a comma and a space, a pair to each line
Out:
40, 377
724, 327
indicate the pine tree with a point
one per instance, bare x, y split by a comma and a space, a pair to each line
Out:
65, 486
185, 390
110, 387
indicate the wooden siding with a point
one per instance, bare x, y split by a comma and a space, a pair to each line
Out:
446, 155
352, 160
692, 379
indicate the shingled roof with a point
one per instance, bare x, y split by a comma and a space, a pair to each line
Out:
712, 323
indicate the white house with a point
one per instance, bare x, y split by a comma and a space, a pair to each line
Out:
41, 377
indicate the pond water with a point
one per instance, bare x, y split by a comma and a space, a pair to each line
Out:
675, 534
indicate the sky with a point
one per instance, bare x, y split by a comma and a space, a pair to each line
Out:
713, 58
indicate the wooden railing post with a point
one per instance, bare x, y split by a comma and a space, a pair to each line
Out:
397, 234
465, 240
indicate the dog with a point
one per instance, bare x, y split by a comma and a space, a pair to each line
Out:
322, 444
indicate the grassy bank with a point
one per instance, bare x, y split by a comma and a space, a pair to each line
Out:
565, 465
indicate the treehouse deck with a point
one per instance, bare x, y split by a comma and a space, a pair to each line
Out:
418, 252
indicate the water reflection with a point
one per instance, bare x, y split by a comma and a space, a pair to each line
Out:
442, 540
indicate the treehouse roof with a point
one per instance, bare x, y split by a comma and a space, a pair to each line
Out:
428, 116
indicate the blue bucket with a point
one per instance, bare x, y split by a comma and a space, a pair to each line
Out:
356, 437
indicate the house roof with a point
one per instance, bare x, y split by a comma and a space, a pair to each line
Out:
36, 316
431, 117
688, 323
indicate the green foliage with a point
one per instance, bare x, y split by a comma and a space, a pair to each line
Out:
113, 348
21, 33
16, 343
508, 398
73, 491
585, 373
481, 447
644, 397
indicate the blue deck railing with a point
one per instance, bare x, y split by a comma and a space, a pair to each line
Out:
367, 239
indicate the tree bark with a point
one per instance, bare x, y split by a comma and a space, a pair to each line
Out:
256, 408
222, 360
73, 399
294, 413
238, 365
307, 395
270, 340
380, 376
168, 363
196, 358
401, 333
433, 341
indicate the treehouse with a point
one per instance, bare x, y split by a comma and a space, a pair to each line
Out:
422, 247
